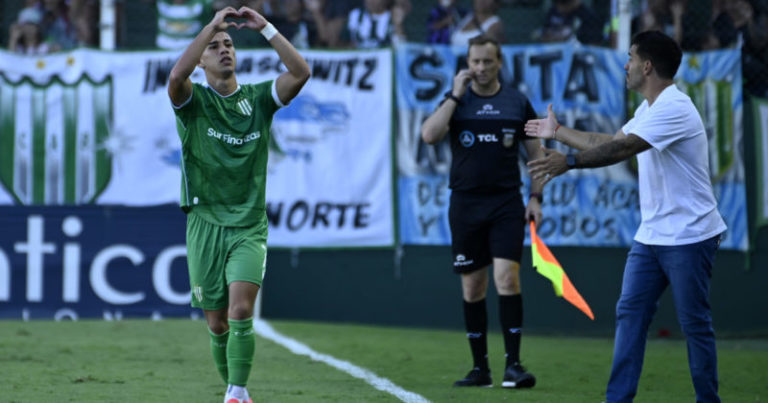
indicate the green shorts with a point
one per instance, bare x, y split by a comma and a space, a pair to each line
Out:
218, 255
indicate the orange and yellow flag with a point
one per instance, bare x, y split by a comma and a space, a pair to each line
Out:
549, 267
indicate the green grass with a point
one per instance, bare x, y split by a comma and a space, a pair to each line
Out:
169, 361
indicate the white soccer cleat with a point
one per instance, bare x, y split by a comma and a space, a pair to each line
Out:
237, 395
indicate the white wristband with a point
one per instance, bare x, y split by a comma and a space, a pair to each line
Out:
269, 31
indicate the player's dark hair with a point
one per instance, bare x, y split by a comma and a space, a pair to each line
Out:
663, 52
482, 40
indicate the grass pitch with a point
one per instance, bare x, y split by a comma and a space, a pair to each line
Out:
169, 361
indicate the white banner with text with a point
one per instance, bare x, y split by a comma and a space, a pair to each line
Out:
93, 127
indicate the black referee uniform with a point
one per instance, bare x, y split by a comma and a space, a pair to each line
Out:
486, 213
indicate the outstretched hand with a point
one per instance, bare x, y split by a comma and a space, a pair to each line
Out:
542, 128
544, 169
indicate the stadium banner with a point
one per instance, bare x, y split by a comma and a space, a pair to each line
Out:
93, 127
586, 85
760, 113
92, 261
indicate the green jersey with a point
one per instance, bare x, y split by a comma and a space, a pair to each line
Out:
224, 149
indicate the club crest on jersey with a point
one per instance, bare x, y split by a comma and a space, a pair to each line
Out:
488, 110
509, 137
245, 107
466, 138
197, 291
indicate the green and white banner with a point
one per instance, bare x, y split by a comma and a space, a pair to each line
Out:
93, 127
51, 137
87, 127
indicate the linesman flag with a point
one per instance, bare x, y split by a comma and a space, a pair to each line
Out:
549, 267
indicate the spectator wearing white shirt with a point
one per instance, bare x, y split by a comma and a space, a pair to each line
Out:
378, 24
483, 20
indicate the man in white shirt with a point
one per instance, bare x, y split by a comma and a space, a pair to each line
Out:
680, 228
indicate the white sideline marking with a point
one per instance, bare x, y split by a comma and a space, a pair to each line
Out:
266, 331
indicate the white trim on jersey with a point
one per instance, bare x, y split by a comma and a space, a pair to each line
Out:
274, 94
205, 84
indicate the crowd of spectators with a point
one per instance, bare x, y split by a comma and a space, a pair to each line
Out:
571, 20
43, 26
745, 23
727, 24
306, 23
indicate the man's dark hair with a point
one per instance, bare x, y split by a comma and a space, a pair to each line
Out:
663, 52
482, 40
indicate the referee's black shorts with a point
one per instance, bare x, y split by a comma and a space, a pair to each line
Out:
485, 226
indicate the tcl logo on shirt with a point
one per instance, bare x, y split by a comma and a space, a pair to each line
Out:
467, 138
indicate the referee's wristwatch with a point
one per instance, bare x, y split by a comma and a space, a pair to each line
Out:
570, 160
453, 97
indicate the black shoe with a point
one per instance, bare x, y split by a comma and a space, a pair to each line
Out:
515, 376
476, 377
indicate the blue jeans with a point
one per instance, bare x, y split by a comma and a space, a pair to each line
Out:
648, 271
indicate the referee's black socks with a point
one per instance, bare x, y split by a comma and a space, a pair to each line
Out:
476, 323
511, 317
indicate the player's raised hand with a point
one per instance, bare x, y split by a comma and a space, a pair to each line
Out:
253, 19
460, 82
218, 22
546, 168
542, 128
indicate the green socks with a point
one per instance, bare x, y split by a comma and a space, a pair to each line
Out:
240, 347
219, 350
233, 351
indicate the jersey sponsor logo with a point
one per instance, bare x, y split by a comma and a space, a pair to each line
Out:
58, 139
487, 138
245, 107
487, 110
466, 138
232, 140
461, 260
509, 136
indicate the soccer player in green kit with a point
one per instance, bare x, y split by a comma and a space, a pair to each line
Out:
224, 129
